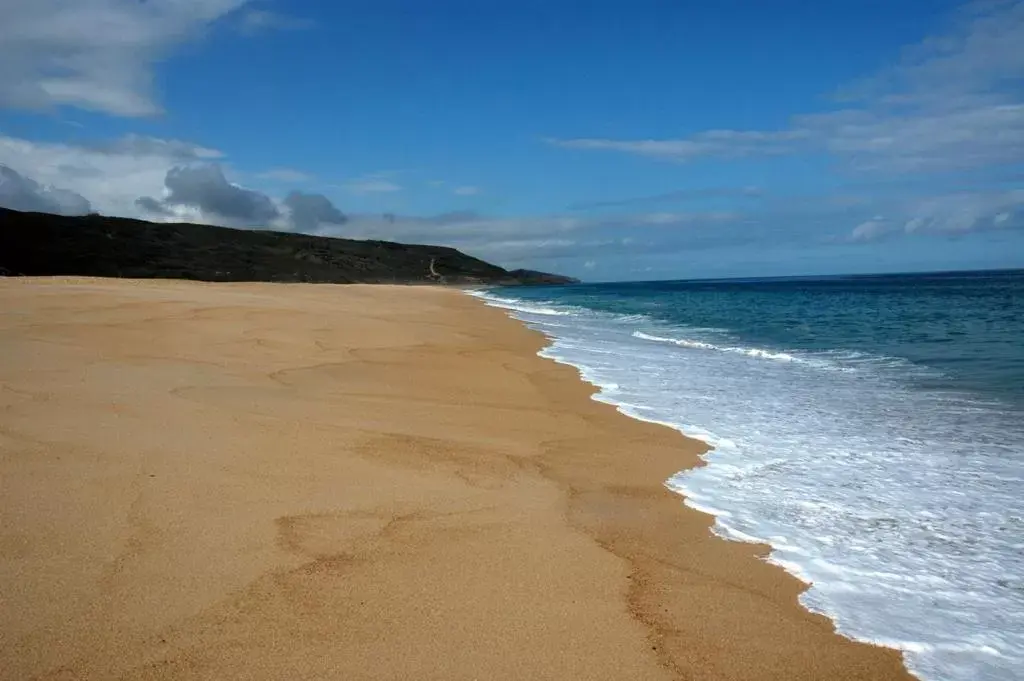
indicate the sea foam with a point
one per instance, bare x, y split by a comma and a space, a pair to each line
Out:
900, 507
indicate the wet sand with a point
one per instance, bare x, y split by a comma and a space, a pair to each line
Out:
257, 481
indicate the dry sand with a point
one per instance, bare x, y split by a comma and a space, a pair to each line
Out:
317, 482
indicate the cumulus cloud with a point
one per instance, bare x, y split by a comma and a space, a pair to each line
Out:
206, 189
152, 208
162, 179
112, 175
952, 103
308, 212
22, 193
94, 54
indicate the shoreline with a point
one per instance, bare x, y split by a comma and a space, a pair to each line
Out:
451, 504
763, 548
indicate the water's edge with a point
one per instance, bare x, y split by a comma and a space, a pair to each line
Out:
676, 485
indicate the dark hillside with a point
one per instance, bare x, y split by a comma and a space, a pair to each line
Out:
39, 244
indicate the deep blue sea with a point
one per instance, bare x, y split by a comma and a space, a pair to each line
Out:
869, 428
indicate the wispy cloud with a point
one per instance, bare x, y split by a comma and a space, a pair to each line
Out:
679, 195
871, 230
710, 143
952, 103
371, 185
253, 21
288, 175
94, 54
466, 190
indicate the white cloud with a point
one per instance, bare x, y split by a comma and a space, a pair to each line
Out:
678, 195
155, 179
254, 21
466, 190
681, 219
966, 212
371, 184
289, 175
952, 103
22, 193
870, 230
112, 176
710, 143
94, 54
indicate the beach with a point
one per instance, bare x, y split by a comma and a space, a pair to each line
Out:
266, 481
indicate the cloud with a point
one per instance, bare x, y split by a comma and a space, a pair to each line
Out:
371, 184
22, 193
965, 212
952, 103
94, 54
140, 145
710, 143
255, 21
161, 179
286, 175
111, 174
308, 212
466, 190
683, 219
748, 192
153, 208
948, 214
206, 189
871, 230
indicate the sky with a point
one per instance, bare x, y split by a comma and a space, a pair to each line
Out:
608, 140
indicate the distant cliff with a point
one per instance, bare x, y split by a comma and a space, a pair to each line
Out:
41, 244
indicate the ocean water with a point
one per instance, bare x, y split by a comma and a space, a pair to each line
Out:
871, 429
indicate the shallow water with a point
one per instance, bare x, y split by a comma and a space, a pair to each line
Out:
871, 429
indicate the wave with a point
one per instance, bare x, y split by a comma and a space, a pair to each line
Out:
518, 305
760, 353
841, 360
921, 562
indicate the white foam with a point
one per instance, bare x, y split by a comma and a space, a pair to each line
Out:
702, 345
516, 305
902, 509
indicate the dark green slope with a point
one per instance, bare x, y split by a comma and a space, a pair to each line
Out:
39, 244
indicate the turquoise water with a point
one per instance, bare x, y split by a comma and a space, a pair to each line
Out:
871, 429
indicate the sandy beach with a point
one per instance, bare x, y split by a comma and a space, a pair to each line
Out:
258, 481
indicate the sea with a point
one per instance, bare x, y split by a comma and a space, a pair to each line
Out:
869, 428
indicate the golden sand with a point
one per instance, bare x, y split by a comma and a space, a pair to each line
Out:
258, 481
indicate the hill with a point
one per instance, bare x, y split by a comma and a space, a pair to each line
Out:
40, 244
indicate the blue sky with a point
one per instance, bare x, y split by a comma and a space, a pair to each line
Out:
608, 140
